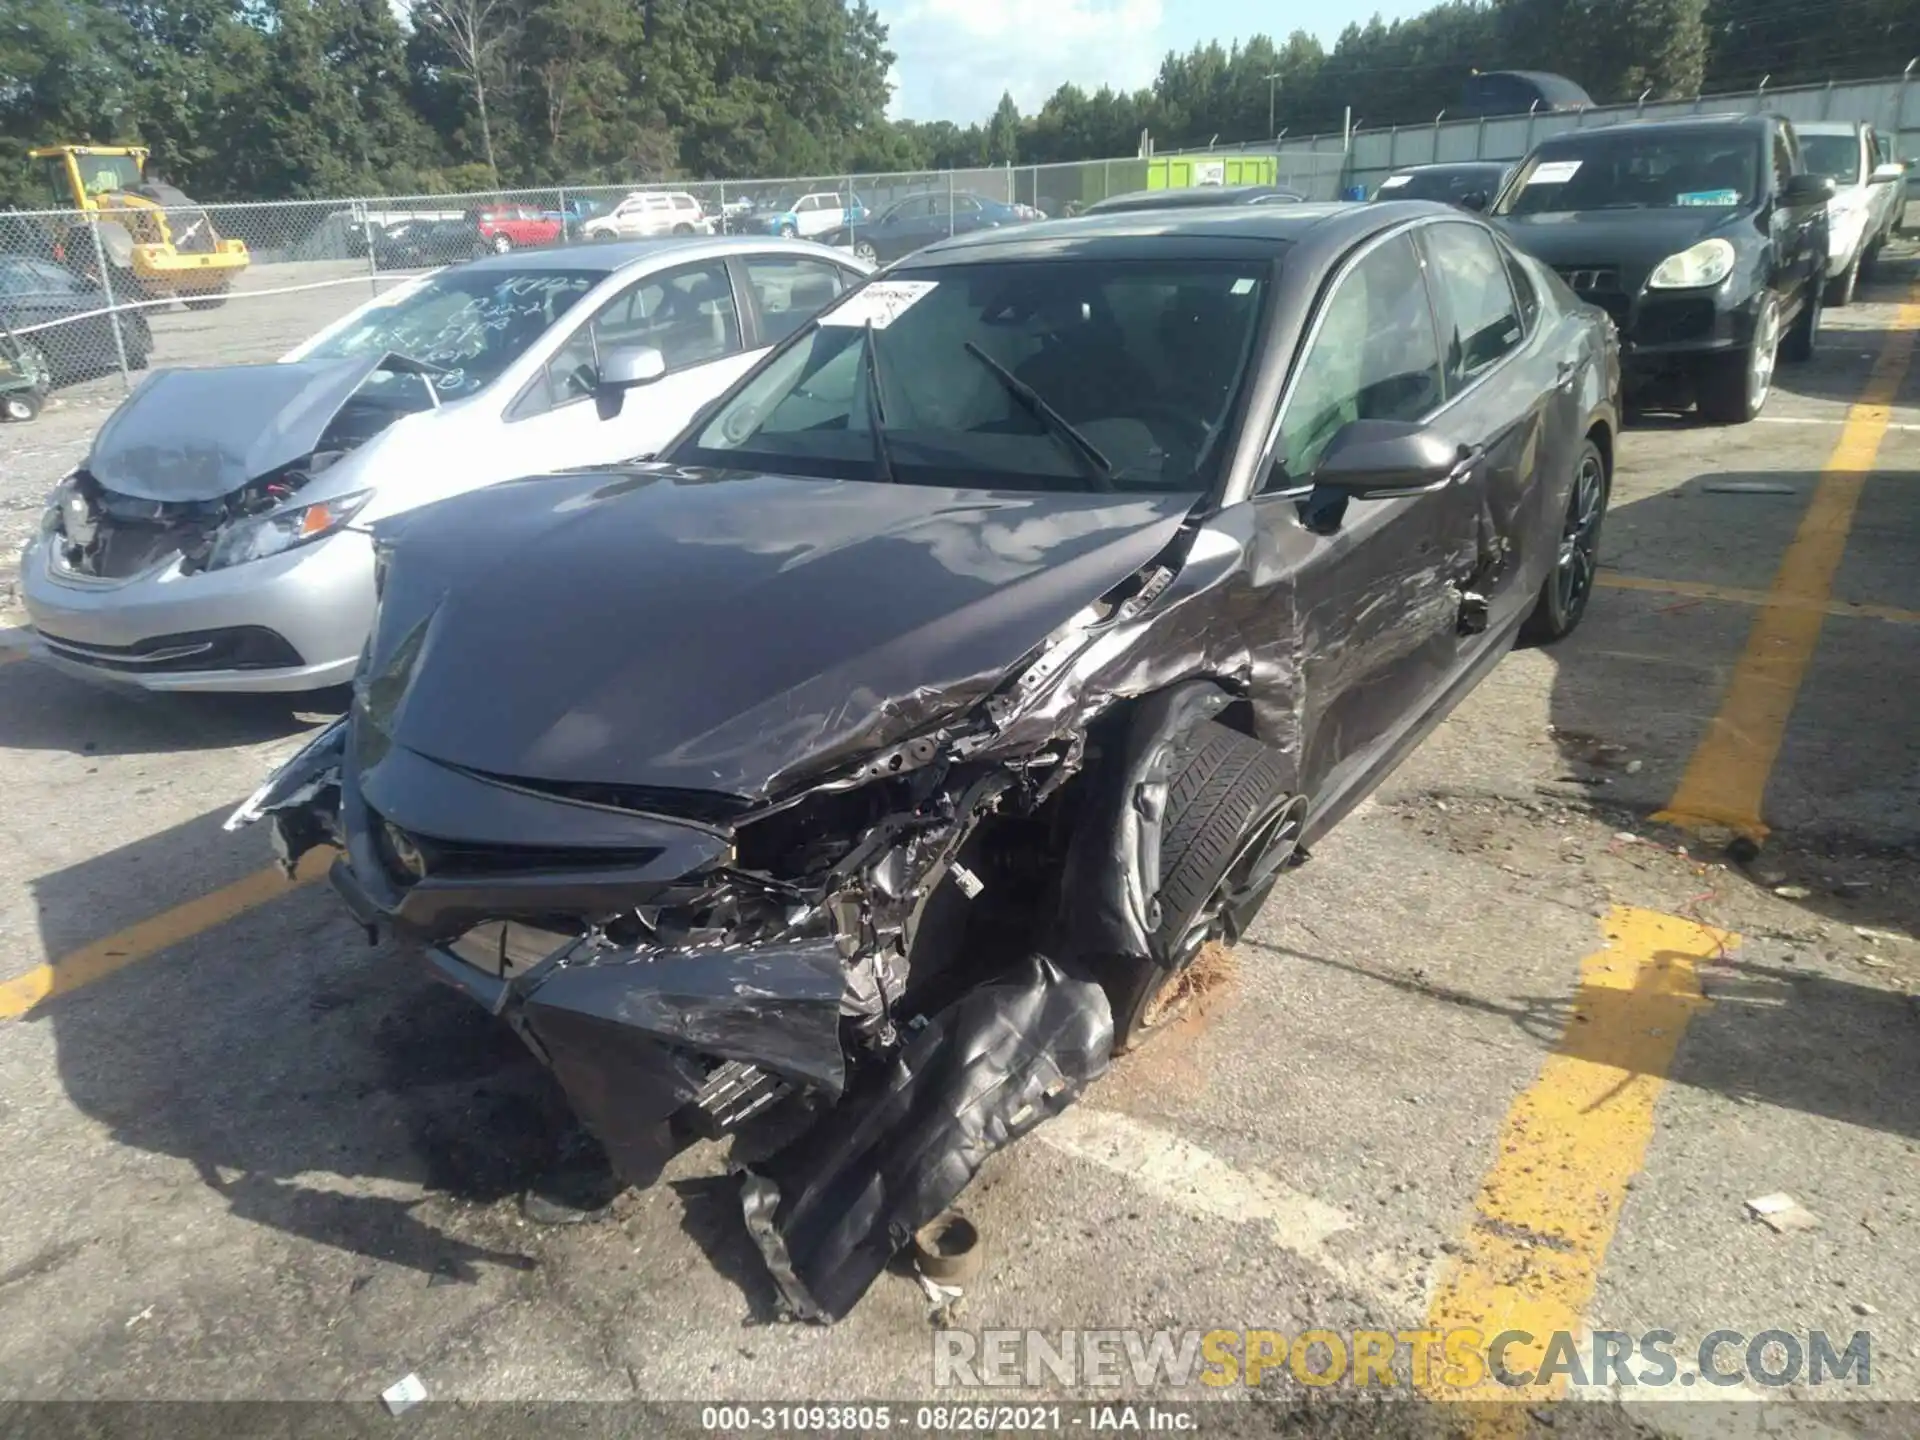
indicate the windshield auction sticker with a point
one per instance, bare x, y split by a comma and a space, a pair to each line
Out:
1554, 172
881, 303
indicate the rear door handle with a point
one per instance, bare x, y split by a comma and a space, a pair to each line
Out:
1569, 372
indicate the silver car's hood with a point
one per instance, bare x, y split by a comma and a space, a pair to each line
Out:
196, 435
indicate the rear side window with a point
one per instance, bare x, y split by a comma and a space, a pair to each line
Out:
791, 292
1375, 356
1524, 289
1480, 321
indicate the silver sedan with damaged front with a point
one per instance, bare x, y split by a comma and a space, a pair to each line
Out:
217, 536
984, 655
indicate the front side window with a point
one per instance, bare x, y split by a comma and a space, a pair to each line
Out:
1624, 170
1375, 356
469, 324
1056, 375
687, 315
1482, 324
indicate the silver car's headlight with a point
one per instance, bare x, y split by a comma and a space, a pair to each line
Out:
1707, 263
259, 536
58, 508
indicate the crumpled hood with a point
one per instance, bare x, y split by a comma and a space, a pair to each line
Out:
1633, 240
723, 632
187, 436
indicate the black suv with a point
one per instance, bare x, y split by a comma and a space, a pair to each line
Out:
1705, 239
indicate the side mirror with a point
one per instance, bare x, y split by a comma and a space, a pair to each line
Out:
1808, 190
1388, 459
624, 368
1475, 200
1889, 174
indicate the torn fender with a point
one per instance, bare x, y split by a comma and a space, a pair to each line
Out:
833, 1207
302, 796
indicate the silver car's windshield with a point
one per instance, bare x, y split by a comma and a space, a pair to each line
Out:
1043, 374
1631, 170
1837, 157
469, 324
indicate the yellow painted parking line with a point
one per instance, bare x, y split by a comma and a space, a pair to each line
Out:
1571, 1143
1726, 780
1734, 595
140, 942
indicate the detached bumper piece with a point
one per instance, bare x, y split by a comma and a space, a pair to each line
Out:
833, 1207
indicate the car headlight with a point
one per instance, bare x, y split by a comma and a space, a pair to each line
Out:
259, 536
1707, 263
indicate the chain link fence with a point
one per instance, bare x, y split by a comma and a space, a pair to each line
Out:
137, 281
110, 290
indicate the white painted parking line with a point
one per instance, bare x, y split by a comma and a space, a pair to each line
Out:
1189, 1178
1826, 420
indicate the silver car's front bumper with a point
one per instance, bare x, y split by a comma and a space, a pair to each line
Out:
295, 621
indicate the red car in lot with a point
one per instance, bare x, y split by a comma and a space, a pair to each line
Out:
514, 227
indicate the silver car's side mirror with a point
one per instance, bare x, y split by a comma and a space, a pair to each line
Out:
624, 368
1887, 174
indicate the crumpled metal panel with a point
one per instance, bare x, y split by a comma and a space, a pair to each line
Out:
187, 436
830, 1209
776, 1006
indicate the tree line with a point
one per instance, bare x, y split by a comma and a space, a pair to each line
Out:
269, 99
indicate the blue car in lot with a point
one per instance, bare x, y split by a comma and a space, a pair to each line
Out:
804, 216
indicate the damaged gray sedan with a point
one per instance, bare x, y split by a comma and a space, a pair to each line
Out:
888, 750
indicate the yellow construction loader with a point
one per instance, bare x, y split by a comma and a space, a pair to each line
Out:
152, 240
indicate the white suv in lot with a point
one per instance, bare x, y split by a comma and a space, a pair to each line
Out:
1868, 195
648, 213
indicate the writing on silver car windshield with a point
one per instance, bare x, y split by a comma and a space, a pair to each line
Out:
1055, 374
469, 325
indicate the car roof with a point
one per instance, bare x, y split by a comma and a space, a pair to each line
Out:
1701, 124
1201, 231
1189, 195
1830, 127
1431, 166
608, 256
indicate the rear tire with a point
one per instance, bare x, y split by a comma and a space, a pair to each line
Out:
1564, 595
21, 406
1230, 826
211, 301
502, 244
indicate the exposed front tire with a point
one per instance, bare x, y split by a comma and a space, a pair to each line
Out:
1563, 598
213, 300
1230, 826
1732, 389
789, 231
864, 251
21, 406
502, 244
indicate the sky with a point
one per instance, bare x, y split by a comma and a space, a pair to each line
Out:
957, 56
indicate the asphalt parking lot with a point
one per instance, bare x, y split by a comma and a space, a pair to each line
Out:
1513, 1050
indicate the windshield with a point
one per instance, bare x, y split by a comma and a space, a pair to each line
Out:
1638, 171
471, 324
1835, 157
1055, 374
